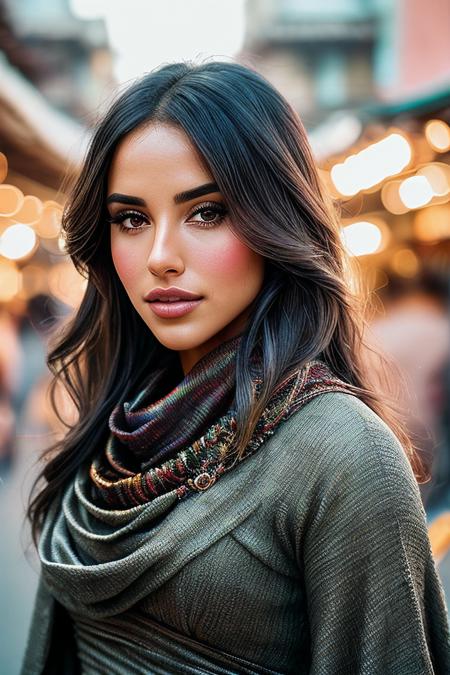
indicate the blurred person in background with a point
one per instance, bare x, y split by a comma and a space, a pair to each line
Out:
414, 330
233, 496
10, 367
7, 420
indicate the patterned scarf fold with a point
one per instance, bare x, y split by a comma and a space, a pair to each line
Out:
184, 441
151, 431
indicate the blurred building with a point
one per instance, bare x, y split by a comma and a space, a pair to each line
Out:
328, 55
321, 54
66, 58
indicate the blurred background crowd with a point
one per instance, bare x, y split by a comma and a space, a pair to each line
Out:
371, 82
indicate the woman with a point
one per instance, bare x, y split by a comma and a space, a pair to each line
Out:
231, 499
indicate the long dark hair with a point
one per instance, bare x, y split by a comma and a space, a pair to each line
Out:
256, 149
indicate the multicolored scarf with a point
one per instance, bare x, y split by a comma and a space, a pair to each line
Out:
185, 440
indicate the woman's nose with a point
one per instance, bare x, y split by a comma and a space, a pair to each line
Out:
165, 255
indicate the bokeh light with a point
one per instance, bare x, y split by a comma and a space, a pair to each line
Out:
415, 192
11, 200
3, 167
438, 176
390, 198
49, 224
405, 263
433, 223
371, 166
30, 210
17, 241
437, 133
362, 238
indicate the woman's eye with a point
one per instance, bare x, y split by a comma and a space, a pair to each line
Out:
129, 221
209, 215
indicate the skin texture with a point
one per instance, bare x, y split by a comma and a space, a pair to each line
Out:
169, 246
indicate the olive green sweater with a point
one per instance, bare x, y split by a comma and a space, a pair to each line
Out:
310, 557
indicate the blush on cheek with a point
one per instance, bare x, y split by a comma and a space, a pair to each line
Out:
231, 260
125, 260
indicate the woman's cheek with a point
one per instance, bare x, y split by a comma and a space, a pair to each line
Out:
126, 259
231, 260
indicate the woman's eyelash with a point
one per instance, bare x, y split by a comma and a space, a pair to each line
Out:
217, 208
120, 218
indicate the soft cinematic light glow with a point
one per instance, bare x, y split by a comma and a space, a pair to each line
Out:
391, 199
34, 281
433, 223
17, 241
10, 281
438, 176
30, 210
372, 165
361, 238
437, 133
415, 192
11, 199
405, 263
143, 35
3, 167
66, 284
49, 224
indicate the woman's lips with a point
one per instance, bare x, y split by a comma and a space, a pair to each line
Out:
171, 310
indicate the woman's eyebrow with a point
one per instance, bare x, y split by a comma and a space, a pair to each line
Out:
199, 191
125, 199
181, 197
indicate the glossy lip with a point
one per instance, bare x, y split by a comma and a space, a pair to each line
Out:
172, 310
166, 293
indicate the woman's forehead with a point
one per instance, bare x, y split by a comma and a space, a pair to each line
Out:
157, 153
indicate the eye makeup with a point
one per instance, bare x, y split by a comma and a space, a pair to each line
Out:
218, 209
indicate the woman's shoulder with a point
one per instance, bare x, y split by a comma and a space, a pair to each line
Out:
336, 435
340, 421
337, 461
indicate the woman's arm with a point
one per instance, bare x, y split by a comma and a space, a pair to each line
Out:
375, 602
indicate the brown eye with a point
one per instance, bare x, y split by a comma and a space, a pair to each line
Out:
208, 214
135, 221
130, 221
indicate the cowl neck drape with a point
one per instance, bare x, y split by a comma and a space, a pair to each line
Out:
105, 546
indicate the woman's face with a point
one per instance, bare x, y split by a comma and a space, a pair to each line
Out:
169, 231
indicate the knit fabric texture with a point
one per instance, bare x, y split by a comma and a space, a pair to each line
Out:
310, 557
199, 463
